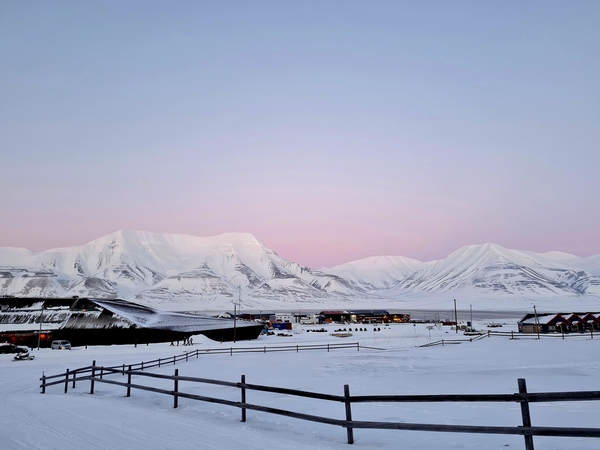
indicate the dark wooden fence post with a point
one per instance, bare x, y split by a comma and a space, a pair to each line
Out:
358, 346
349, 430
93, 375
142, 365
43, 383
123, 372
66, 380
176, 389
74, 378
129, 383
525, 413
243, 388
327, 348
174, 360
230, 351
158, 362
101, 372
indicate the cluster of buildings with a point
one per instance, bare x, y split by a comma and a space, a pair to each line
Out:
85, 321
560, 323
364, 316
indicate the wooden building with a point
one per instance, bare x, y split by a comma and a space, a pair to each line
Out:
559, 322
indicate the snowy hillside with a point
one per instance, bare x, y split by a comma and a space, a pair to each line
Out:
494, 271
378, 272
167, 269
176, 271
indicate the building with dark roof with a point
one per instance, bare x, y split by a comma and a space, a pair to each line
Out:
559, 322
85, 321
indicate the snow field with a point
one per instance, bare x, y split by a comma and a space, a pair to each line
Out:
147, 420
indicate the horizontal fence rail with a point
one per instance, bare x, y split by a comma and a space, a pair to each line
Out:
98, 374
218, 351
514, 335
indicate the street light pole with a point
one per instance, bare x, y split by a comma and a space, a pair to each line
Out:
235, 312
537, 322
234, 320
455, 317
471, 308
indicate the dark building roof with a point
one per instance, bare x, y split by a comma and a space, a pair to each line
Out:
79, 316
549, 317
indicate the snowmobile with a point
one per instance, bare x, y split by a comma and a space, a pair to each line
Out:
23, 357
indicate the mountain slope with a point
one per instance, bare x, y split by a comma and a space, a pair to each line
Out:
378, 272
176, 271
157, 267
492, 270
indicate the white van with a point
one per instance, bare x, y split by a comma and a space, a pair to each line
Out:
61, 345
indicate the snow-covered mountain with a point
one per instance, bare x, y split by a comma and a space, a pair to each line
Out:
176, 271
494, 271
167, 268
378, 272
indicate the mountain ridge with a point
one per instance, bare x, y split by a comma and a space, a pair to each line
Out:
166, 270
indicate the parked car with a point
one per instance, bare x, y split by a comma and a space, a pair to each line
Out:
61, 345
11, 348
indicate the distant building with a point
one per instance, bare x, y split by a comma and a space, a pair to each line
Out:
334, 316
368, 315
282, 317
363, 316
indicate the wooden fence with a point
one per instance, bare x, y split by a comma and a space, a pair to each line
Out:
98, 374
510, 334
233, 351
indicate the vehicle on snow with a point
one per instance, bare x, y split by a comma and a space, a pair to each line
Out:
23, 357
11, 348
61, 345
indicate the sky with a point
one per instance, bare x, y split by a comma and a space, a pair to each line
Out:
331, 130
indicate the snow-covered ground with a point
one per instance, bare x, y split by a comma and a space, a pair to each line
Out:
108, 420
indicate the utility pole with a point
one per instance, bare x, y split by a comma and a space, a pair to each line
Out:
234, 320
537, 322
471, 308
235, 313
40, 333
455, 318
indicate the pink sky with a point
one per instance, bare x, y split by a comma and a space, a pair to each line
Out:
331, 134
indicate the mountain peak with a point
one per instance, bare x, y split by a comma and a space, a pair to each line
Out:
181, 268
478, 251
